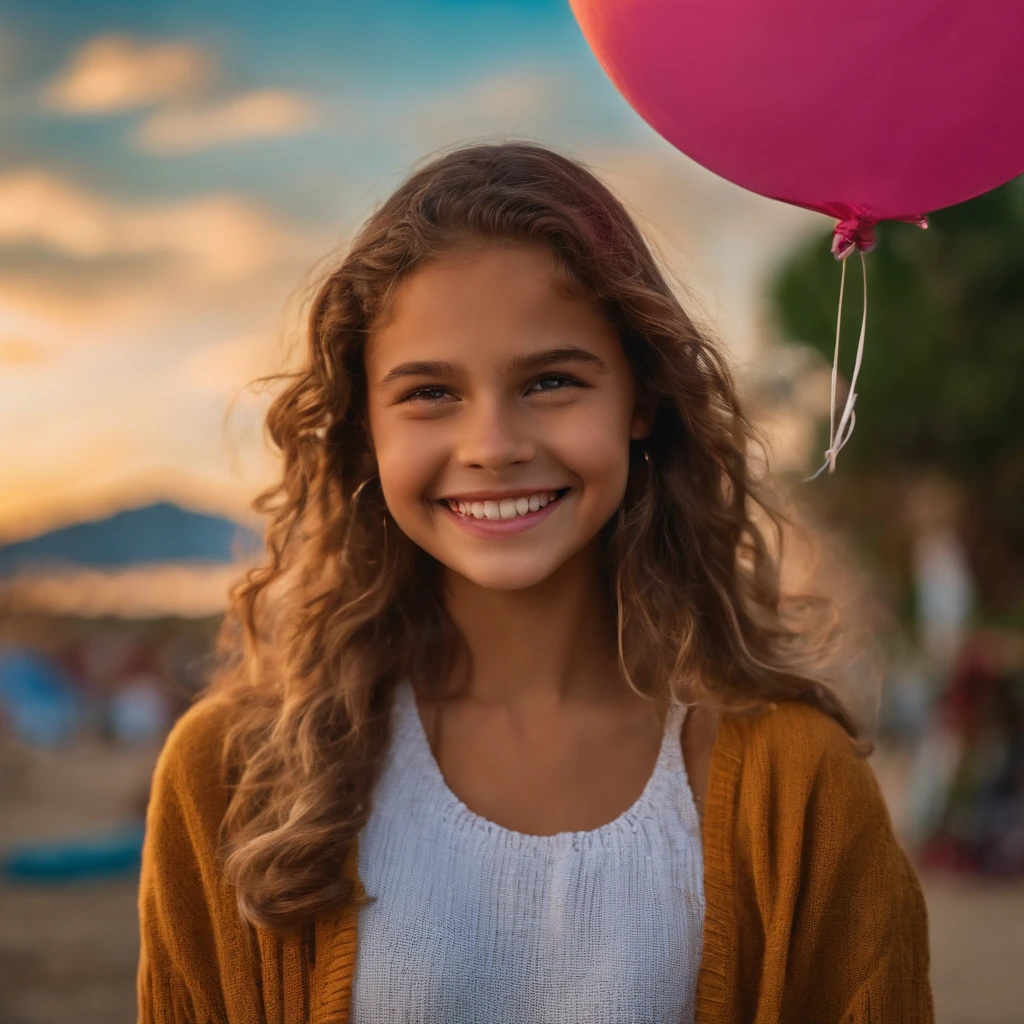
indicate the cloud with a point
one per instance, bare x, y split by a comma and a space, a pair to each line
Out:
130, 303
36, 206
221, 237
515, 101
27, 343
22, 352
262, 114
218, 238
113, 73
70, 304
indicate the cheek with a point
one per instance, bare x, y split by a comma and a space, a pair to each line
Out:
408, 460
596, 448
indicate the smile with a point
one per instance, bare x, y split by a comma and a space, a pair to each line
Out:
507, 508
503, 518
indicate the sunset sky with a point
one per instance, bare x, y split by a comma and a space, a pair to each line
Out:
170, 173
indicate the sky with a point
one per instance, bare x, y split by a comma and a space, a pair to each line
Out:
172, 175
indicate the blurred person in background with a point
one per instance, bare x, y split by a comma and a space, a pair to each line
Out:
516, 722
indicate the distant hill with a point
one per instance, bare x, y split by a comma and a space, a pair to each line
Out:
156, 533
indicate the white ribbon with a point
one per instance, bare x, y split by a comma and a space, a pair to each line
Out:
837, 438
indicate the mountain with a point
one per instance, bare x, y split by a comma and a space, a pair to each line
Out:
163, 532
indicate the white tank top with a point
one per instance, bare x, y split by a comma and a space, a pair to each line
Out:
476, 924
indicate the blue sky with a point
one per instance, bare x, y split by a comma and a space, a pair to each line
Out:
353, 57
170, 172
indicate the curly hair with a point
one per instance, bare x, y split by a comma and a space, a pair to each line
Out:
345, 605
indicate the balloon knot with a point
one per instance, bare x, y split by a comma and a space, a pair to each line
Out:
857, 230
852, 234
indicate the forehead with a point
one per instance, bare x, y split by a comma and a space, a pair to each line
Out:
487, 301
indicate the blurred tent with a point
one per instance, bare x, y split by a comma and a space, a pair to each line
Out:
40, 703
110, 854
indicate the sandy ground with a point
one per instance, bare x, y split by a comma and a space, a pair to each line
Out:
68, 953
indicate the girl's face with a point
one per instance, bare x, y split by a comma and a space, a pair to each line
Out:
501, 410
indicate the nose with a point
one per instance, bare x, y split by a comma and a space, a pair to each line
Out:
494, 438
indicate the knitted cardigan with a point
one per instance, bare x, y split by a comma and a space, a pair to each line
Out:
813, 912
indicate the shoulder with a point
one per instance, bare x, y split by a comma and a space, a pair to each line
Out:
192, 767
793, 760
197, 740
790, 736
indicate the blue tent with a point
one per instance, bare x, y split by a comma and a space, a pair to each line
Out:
38, 700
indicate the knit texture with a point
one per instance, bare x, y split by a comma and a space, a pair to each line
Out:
812, 910
477, 924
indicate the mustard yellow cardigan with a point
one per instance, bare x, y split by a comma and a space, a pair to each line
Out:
813, 912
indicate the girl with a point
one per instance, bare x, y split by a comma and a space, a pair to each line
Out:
515, 724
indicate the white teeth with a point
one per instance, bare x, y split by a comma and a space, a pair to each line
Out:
507, 508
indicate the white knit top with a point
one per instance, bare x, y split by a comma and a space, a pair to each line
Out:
476, 924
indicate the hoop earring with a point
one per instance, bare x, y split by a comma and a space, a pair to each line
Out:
359, 489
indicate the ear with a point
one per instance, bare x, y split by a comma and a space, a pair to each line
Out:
644, 410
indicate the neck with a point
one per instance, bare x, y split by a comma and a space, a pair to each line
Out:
548, 644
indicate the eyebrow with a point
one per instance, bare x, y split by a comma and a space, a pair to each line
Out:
517, 364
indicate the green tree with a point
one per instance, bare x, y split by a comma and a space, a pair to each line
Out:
941, 388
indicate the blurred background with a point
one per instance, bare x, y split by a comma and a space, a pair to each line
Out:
171, 175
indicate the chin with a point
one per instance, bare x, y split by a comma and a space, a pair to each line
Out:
512, 576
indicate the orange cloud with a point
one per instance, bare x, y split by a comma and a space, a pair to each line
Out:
263, 114
22, 352
113, 73
216, 237
38, 207
229, 367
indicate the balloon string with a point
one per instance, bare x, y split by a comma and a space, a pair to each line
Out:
837, 438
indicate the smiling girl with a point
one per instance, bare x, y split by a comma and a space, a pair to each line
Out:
515, 724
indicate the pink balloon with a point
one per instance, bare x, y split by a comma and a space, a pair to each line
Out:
867, 110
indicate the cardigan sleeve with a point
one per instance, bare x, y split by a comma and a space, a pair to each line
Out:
186, 913
857, 942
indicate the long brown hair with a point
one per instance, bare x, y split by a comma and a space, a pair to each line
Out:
346, 605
